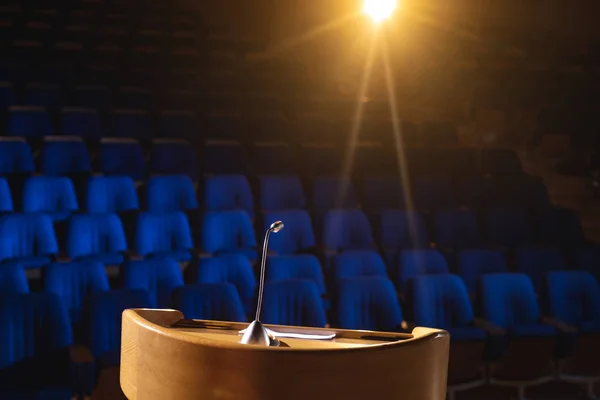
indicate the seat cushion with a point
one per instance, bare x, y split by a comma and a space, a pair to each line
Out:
249, 253
106, 259
32, 261
179, 255
533, 330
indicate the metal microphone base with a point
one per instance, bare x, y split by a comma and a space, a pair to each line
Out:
256, 334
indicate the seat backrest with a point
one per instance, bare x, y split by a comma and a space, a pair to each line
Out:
111, 194
83, 122
280, 192
587, 259
403, 229
49, 194
92, 234
171, 193
329, 193
28, 122
472, 264
229, 268
380, 194
347, 229
356, 263
433, 193
224, 157
73, 282
6, 204
174, 157
177, 124
15, 157
64, 157
23, 235
211, 301
508, 300
34, 324
509, 228
298, 234
293, 302
274, 158
420, 262
441, 301
368, 303
134, 124
44, 95
159, 277
96, 97
13, 279
537, 262
227, 230
103, 318
301, 266
123, 158
457, 229
574, 297
228, 192
158, 232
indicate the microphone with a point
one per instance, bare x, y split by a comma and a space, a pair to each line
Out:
256, 333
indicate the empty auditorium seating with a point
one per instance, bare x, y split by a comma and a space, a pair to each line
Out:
457, 229
433, 193
164, 235
368, 303
211, 301
587, 258
158, 277
111, 194
229, 268
412, 263
98, 237
28, 121
44, 95
302, 266
402, 230
13, 279
281, 192
274, 158
122, 157
62, 157
54, 196
321, 160
6, 204
174, 157
228, 192
358, 263
472, 264
73, 282
298, 235
134, 124
346, 230
329, 193
560, 227
15, 157
536, 263
83, 122
509, 228
224, 157
380, 194
178, 124
229, 232
295, 302
170, 193
93, 96
27, 239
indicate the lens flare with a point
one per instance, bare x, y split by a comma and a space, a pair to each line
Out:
379, 10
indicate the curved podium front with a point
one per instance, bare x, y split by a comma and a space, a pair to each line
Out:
164, 356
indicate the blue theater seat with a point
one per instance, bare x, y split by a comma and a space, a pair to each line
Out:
368, 303
27, 239
379, 194
419, 262
302, 266
560, 227
321, 160
536, 263
228, 192
230, 268
224, 157
170, 193
178, 124
294, 302
164, 235
346, 230
225, 126
135, 124
158, 277
509, 228
54, 196
174, 157
6, 204
94, 97
34, 355
358, 263
457, 229
44, 95
103, 316
211, 301
83, 122
73, 282
296, 237
30, 122
402, 230
122, 157
227, 232
329, 193
281, 192
15, 157
473, 264
111, 194
65, 157
96, 237
274, 158
13, 279
433, 193
587, 258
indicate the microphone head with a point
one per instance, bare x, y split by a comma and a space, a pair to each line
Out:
276, 226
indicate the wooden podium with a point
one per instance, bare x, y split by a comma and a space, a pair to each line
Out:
164, 356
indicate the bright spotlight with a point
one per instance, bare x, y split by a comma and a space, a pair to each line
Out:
379, 10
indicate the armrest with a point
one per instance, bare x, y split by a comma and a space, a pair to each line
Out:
490, 328
82, 370
560, 325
